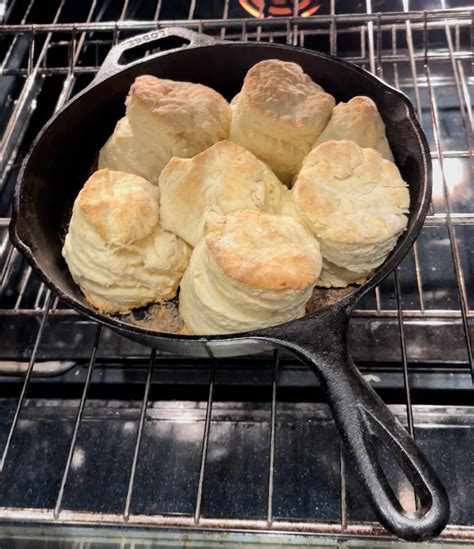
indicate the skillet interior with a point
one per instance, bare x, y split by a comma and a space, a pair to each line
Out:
62, 158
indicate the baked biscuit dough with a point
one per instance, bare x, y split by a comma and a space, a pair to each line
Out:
250, 270
115, 248
278, 115
125, 153
221, 180
165, 118
358, 120
355, 202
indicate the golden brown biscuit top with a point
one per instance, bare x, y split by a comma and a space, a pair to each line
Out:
358, 120
264, 251
361, 103
120, 207
350, 194
179, 103
284, 91
230, 168
358, 113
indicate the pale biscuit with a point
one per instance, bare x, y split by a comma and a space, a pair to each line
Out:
221, 180
123, 152
165, 118
176, 118
355, 202
278, 115
115, 248
250, 270
358, 120
333, 276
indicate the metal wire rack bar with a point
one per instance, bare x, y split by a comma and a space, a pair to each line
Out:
398, 291
263, 32
91, 70
427, 314
271, 472
80, 410
141, 423
444, 15
24, 388
451, 532
205, 443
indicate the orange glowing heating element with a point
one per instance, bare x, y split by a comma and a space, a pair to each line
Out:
279, 8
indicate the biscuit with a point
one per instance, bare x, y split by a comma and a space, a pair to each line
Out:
123, 152
278, 115
115, 248
176, 118
221, 180
355, 202
165, 118
249, 271
358, 120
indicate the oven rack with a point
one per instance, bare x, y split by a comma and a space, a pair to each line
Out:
420, 52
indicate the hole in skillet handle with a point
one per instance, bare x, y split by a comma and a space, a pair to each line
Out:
145, 49
397, 481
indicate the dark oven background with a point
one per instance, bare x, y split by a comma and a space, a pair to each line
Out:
95, 429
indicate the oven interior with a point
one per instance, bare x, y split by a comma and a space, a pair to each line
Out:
102, 439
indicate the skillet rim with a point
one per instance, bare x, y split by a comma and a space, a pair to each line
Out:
345, 304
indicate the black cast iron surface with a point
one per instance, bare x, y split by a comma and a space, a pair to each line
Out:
43, 204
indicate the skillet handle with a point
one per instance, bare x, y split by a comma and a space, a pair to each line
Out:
168, 39
362, 418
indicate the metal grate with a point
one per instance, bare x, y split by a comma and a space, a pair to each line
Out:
423, 313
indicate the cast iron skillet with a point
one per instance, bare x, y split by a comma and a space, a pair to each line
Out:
61, 159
